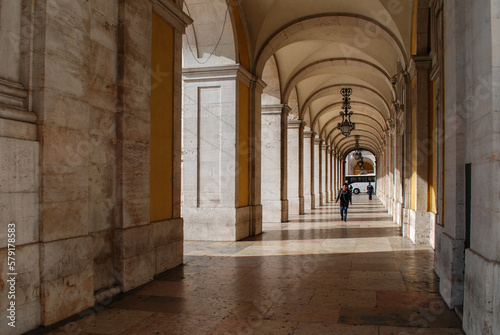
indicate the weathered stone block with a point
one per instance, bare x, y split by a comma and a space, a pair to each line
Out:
169, 256
103, 30
136, 271
64, 220
27, 290
105, 275
66, 276
137, 156
135, 129
168, 231
27, 318
65, 111
108, 9
132, 242
19, 166
64, 75
64, 146
102, 244
18, 130
135, 211
23, 210
242, 224
73, 15
137, 17
65, 183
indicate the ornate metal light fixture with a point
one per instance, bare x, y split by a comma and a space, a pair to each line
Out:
357, 153
346, 126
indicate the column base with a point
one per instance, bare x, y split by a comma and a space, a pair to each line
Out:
271, 210
284, 210
481, 296
256, 220
294, 205
419, 227
302, 205
449, 266
220, 224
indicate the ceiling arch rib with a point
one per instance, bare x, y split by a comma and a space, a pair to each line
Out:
335, 89
363, 125
360, 109
320, 66
348, 27
348, 150
364, 133
342, 147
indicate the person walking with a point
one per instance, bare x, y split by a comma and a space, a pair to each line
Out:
369, 189
345, 198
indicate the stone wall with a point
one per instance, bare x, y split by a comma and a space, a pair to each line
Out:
76, 183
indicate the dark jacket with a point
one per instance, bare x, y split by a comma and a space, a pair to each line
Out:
345, 198
369, 189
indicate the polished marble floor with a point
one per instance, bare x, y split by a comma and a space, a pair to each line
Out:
312, 275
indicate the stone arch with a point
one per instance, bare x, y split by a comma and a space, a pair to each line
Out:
379, 120
310, 69
271, 94
325, 91
217, 35
297, 31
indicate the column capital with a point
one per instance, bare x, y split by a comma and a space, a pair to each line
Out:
278, 109
308, 134
295, 124
422, 62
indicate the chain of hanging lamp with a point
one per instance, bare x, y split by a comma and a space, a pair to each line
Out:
346, 126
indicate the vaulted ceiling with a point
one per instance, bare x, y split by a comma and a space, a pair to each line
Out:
321, 46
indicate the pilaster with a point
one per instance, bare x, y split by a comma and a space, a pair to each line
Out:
308, 164
294, 166
221, 198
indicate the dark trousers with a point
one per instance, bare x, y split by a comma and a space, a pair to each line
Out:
343, 212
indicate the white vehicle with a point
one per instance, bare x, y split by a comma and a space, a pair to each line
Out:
360, 182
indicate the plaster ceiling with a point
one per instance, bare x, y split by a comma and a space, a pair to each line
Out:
321, 46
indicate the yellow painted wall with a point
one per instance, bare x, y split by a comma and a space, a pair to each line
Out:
161, 161
413, 193
243, 145
244, 57
414, 28
432, 159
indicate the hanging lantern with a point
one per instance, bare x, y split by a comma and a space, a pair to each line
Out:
346, 126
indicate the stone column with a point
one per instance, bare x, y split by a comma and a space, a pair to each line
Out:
450, 237
482, 104
218, 177
336, 175
389, 169
301, 162
321, 172
284, 163
325, 166
317, 172
331, 173
308, 170
255, 198
294, 164
398, 182
419, 218
274, 145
